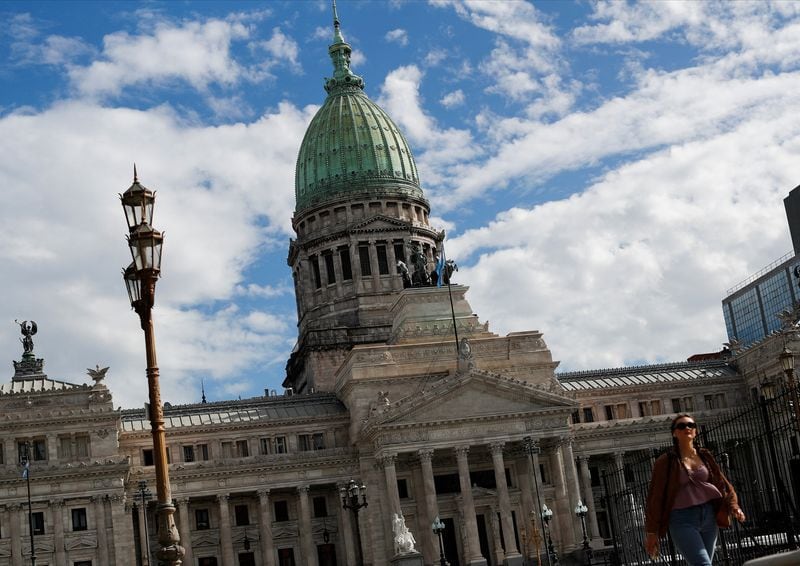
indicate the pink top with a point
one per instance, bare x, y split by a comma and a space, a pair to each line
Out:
695, 488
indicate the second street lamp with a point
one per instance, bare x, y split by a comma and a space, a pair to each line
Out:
580, 512
140, 279
787, 361
354, 497
438, 529
547, 515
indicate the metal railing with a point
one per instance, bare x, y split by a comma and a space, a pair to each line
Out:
758, 448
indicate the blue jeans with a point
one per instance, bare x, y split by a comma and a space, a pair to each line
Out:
694, 531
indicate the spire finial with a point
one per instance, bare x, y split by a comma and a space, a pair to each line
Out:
135, 176
337, 32
203, 390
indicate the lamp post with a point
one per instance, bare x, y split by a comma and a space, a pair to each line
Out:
26, 473
580, 512
438, 529
145, 495
140, 278
547, 515
246, 541
787, 361
354, 497
532, 447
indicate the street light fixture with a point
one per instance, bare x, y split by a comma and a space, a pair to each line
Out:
787, 361
246, 541
140, 279
438, 529
580, 512
547, 515
354, 497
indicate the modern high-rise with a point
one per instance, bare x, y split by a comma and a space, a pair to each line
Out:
751, 308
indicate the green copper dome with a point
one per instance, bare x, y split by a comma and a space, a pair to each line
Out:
351, 146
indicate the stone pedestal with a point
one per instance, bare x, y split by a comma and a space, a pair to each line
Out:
410, 559
513, 560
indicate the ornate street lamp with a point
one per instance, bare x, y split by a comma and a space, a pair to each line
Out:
326, 535
246, 541
26, 474
438, 529
140, 279
145, 495
547, 515
354, 497
787, 361
580, 512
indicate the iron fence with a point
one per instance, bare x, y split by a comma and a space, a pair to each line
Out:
758, 448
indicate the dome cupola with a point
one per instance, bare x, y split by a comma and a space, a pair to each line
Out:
352, 147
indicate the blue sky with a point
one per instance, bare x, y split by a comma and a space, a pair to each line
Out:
605, 171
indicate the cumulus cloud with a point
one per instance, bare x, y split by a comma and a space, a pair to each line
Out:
29, 47
451, 99
398, 36
283, 49
65, 234
195, 52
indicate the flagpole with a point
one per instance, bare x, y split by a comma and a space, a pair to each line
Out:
441, 269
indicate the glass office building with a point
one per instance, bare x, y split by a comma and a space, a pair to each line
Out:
751, 308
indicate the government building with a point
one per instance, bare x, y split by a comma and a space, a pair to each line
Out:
395, 383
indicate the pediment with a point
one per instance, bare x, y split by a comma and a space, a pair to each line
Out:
379, 223
476, 396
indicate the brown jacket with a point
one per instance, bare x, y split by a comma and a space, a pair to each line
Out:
664, 485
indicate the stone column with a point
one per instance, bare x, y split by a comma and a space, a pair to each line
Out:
390, 472
57, 512
472, 548
185, 529
15, 532
588, 496
100, 527
122, 526
431, 508
306, 536
562, 509
225, 534
494, 522
573, 487
52, 448
619, 466
373, 264
509, 540
346, 528
265, 528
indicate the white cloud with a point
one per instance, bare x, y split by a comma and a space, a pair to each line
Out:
29, 48
198, 53
222, 192
283, 49
398, 36
451, 99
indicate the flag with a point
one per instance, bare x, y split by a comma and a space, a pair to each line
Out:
25, 470
440, 267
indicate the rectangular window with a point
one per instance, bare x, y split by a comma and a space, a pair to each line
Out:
318, 441
644, 408
207, 561
242, 515
202, 450
81, 445
400, 252
201, 521
280, 445
402, 488
65, 447
36, 449
588, 415
83, 563
719, 401
37, 520
227, 449
286, 557
622, 411
363, 258
317, 279
79, 519
709, 402
264, 446
576, 416
281, 510
320, 506
188, 453
344, 259
147, 457
609, 412
676, 405
242, 449
39, 449
688, 404
383, 259
655, 407
329, 271
2, 454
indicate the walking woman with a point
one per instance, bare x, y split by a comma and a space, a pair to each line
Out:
690, 496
